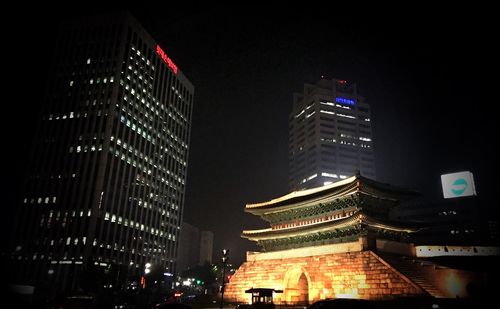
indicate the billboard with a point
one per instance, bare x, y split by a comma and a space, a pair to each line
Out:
458, 184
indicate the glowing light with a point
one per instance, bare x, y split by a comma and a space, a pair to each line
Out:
454, 285
329, 175
309, 115
166, 59
347, 116
301, 193
345, 101
327, 112
326, 103
350, 296
301, 112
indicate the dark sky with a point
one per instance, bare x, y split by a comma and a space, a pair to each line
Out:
425, 77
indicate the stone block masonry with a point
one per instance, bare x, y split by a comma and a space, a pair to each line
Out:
308, 279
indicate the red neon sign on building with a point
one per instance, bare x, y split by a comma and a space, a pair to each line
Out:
165, 58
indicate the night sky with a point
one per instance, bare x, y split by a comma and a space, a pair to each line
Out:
424, 77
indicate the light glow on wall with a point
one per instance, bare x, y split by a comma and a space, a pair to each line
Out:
455, 285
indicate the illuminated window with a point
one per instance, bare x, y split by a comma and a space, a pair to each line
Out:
327, 112
88, 61
346, 116
329, 175
312, 177
326, 103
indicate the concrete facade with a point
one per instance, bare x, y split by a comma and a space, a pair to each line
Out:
330, 135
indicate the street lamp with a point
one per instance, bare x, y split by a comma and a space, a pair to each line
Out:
225, 253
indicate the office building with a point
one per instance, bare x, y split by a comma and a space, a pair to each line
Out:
466, 220
106, 180
330, 135
206, 247
197, 247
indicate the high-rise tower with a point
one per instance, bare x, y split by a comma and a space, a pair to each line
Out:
105, 184
330, 135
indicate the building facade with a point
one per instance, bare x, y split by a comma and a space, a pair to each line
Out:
196, 249
106, 180
189, 252
337, 241
206, 247
330, 135
466, 220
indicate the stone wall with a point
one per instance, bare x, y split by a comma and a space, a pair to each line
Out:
342, 275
